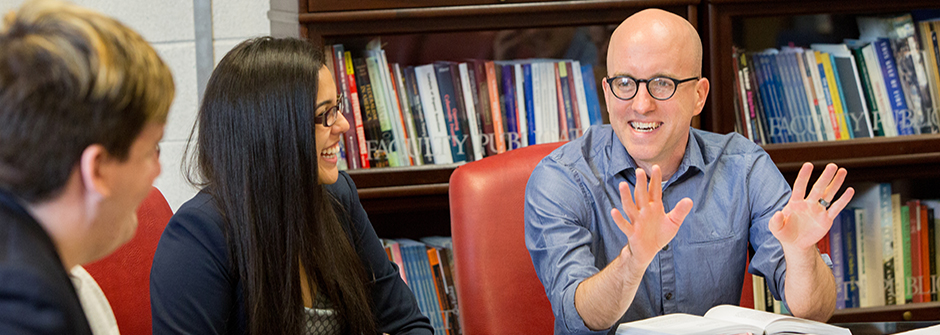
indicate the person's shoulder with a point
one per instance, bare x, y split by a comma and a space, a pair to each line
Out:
198, 217
715, 145
35, 292
343, 189
582, 149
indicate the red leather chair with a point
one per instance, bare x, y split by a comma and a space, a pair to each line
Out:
498, 291
124, 276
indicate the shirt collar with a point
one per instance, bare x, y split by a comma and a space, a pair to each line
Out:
621, 161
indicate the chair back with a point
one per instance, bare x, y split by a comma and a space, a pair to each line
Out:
498, 291
124, 276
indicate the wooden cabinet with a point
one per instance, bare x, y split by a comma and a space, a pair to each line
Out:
413, 201
911, 163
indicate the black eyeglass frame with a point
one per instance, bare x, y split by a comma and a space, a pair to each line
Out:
324, 118
675, 86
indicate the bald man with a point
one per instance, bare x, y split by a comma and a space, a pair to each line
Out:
648, 216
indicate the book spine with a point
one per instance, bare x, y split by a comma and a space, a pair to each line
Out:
356, 111
828, 90
507, 89
886, 221
459, 102
529, 92
902, 116
445, 85
407, 115
590, 92
422, 137
395, 113
470, 102
388, 140
861, 250
430, 98
575, 103
482, 99
350, 138
581, 94
565, 104
522, 124
378, 154
925, 287
849, 257
495, 110
906, 249
877, 126
856, 113
838, 260
838, 101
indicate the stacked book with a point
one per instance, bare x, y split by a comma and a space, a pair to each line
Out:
452, 112
427, 267
886, 83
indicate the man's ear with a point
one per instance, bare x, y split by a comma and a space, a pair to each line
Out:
93, 170
701, 94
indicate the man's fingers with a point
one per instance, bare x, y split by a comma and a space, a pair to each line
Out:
656, 184
624, 225
802, 179
819, 188
626, 199
678, 213
840, 204
641, 194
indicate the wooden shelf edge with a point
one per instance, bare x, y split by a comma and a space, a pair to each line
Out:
858, 153
484, 10
404, 191
925, 311
481, 17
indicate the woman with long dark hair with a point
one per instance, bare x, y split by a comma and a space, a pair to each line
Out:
276, 242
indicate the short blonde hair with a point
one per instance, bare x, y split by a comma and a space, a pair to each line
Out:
69, 78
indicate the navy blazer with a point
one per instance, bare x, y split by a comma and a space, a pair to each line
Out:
36, 294
195, 290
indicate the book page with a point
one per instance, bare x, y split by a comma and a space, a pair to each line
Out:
684, 324
773, 323
743, 315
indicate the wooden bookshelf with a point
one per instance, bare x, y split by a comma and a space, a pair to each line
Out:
413, 201
911, 162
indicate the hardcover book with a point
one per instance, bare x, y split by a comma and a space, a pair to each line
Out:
728, 319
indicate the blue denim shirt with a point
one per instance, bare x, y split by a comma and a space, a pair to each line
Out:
735, 189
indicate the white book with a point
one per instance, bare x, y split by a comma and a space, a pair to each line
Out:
582, 97
728, 319
476, 136
398, 124
538, 105
879, 91
426, 78
551, 96
869, 244
826, 121
414, 146
521, 119
932, 330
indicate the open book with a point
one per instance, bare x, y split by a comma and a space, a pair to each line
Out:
728, 319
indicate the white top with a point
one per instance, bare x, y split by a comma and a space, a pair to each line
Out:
94, 303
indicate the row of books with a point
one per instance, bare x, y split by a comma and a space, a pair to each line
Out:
426, 266
886, 83
883, 252
451, 112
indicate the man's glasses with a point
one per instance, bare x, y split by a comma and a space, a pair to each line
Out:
329, 117
660, 88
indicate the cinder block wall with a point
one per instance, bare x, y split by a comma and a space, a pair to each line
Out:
170, 27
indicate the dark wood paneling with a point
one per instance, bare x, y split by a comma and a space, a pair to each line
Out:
482, 17
333, 5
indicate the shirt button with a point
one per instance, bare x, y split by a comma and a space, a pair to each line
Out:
668, 296
666, 248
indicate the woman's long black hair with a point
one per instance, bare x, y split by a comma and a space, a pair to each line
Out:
257, 157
